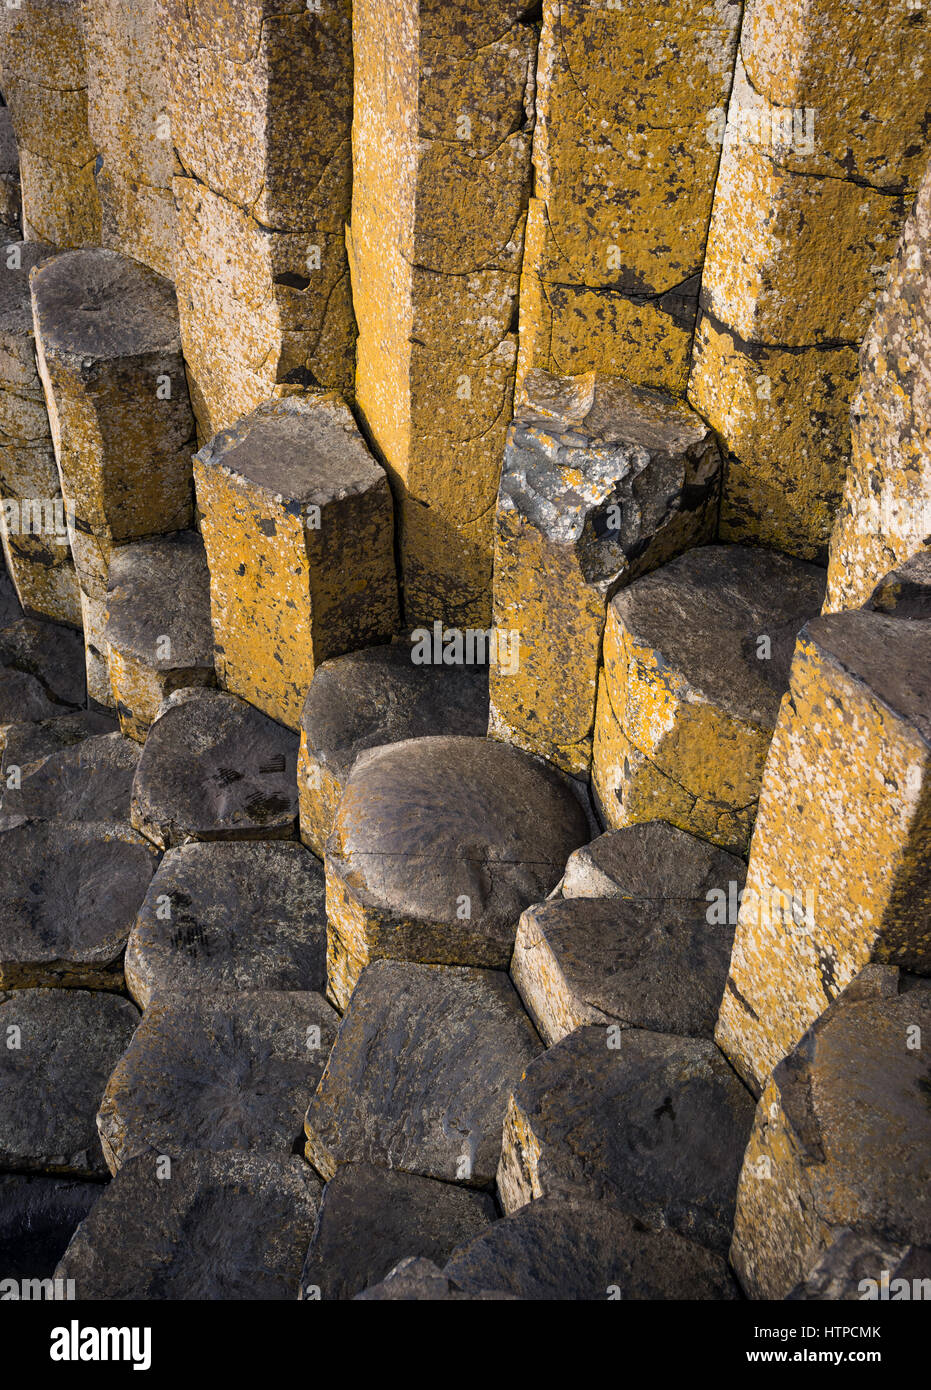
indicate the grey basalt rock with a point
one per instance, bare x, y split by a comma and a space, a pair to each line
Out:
223, 916
10, 198
230, 1070
60, 1047
573, 1249
68, 897
861, 1266
652, 863
89, 781
41, 671
26, 744
213, 1226
214, 768
38, 1217
905, 592
655, 1125
416, 1280
370, 1217
368, 699
420, 1074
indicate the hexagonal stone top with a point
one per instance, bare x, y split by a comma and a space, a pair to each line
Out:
98, 304
159, 588
650, 862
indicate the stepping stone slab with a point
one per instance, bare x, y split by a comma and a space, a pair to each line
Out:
842, 1136
439, 845
224, 1071
90, 781
574, 1249
370, 1215
860, 1266
654, 863
158, 633
214, 768
696, 660
41, 671
421, 1072
68, 898
415, 1280
654, 1124
197, 1225
604, 960
25, 744
241, 915
38, 1217
370, 698
57, 1048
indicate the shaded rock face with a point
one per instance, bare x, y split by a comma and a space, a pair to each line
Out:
416, 1280
87, 781
38, 1217
864, 1267
41, 671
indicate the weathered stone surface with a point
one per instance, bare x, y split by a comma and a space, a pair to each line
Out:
415, 1280
88, 781
26, 744
886, 510
655, 864
45, 88
420, 1074
580, 1250
655, 1125
842, 1137
38, 1217
368, 699
68, 898
625, 164
10, 607
97, 673
223, 1226
297, 522
370, 1216
862, 1266
438, 846
696, 657
906, 590
10, 197
230, 916
641, 965
842, 878
602, 481
441, 173
51, 1080
41, 671
213, 768
158, 633
232, 1070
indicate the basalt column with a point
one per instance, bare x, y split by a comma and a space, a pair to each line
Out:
441, 176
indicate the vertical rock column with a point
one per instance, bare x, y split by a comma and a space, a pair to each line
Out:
628, 97
260, 105
441, 171
45, 87
825, 143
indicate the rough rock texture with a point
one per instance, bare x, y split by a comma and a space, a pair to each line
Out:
10, 197
886, 510
575, 1249
420, 1074
297, 522
370, 698
214, 768
602, 481
38, 1217
45, 88
26, 744
68, 897
438, 846
655, 1125
859, 1267
220, 1226
441, 174
158, 633
696, 657
840, 878
642, 965
625, 164
370, 1216
230, 916
232, 1070
59, 1047
88, 781
41, 671
415, 1280
905, 590
33, 525
842, 1137
656, 864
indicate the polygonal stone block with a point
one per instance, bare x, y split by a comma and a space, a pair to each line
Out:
653, 1124
196, 1226
26, 744
60, 1047
87, 781
368, 699
297, 523
232, 1070
67, 901
841, 878
41, 671
862, 1267
214, 768
38, 1217
438, 846
370, 1215
420, 1074
158, 633
696, 657
655, 864
602, 481
230, 916
842, 1136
